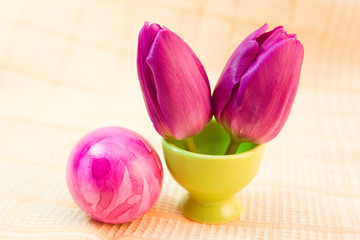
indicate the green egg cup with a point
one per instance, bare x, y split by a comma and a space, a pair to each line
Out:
211, 178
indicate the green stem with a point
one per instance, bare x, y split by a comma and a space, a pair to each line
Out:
233, 146
190, 145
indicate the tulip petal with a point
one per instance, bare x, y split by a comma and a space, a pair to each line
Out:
267, 92
201, 69
182, 90
268, 39
146, 38
240, 60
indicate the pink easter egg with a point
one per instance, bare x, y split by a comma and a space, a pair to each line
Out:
114, 175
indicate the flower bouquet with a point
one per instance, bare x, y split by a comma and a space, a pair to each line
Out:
213, 159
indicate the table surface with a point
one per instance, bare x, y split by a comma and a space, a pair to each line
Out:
68, 67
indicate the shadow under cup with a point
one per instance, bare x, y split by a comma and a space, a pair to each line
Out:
211, 178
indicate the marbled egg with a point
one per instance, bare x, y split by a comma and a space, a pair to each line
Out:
114, 175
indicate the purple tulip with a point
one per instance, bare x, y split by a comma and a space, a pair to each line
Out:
255, 92
174, 84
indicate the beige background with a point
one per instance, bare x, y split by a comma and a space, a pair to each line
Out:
68, 67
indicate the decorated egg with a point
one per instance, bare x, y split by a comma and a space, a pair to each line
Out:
114, 175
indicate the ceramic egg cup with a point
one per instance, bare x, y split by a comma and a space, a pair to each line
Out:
211, 178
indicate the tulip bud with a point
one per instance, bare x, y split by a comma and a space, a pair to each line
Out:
255, 92
174, 84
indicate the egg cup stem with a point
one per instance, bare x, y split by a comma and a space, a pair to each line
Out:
209, 211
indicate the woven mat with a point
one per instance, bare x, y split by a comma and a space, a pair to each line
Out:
68, 67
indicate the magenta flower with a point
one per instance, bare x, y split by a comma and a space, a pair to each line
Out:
174, 84
256, 90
